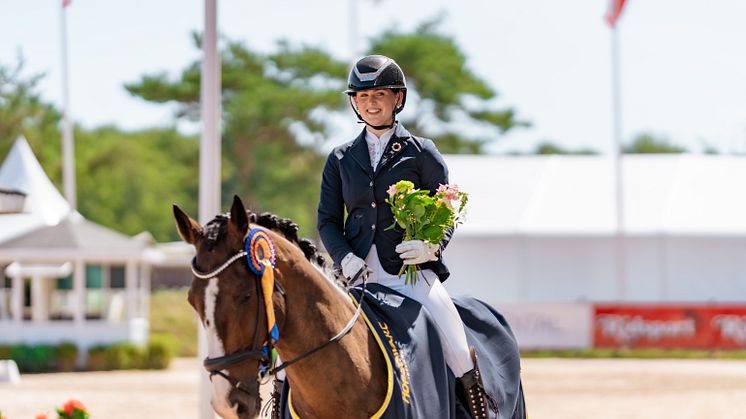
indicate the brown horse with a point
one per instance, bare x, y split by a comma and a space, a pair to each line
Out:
346, 379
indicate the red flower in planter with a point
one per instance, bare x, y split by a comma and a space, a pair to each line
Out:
73, 409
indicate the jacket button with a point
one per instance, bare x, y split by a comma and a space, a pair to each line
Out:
371, 184
373, 227
373, 204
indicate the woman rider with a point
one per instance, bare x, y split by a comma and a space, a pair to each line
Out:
356, 178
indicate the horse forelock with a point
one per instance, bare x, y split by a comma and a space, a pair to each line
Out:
215, 230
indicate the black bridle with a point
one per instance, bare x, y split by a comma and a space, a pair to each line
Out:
263, 354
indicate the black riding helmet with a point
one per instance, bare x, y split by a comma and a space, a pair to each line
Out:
377, 72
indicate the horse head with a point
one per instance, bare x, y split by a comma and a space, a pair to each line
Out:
227, 296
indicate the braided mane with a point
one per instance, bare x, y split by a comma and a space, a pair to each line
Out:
289, 230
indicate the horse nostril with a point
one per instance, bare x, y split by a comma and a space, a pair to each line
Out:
242, 410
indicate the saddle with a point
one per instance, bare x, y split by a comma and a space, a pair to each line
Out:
420, 383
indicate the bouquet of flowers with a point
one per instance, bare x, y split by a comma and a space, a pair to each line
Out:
425, 217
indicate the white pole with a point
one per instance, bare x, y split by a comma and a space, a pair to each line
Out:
617, 153
209, 160
68, 151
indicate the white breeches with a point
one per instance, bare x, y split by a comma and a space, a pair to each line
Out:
430, 292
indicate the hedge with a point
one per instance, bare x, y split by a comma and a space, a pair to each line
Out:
157, 354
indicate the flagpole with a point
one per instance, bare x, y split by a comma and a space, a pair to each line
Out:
353, 28
209, 161
617, 154
68, 147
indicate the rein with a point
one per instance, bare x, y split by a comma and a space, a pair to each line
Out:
264, 354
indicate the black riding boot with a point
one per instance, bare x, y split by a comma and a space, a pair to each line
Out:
471, 391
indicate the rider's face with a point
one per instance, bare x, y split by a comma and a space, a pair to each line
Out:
377, 106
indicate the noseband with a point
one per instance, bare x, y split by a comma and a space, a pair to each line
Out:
216, 366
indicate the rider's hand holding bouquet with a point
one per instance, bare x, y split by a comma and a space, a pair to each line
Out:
425, 220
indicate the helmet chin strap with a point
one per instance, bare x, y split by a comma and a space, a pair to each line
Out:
376, 127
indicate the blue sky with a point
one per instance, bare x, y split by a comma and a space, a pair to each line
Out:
683, 67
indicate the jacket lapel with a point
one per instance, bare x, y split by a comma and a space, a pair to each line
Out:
359, 152
398, 142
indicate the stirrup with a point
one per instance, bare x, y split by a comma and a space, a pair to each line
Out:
473, 394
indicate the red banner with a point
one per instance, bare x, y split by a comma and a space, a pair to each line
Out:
670, 326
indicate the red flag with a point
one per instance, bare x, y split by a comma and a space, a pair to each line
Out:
615, 10
66, 3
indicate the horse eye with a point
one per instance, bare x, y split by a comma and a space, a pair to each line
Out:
246, 297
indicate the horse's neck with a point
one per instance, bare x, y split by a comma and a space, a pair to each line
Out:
346, 376
315, 311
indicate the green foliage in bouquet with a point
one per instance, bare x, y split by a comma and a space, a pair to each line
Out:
425, 217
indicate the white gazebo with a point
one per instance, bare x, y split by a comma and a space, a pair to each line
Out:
62, 277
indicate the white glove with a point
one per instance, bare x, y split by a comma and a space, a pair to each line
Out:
415, 252
351, 265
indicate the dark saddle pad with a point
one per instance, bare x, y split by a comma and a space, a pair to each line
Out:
421, 385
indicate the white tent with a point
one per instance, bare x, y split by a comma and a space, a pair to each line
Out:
543, 228
43, 203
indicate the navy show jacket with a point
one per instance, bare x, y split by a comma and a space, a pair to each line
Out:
349, 183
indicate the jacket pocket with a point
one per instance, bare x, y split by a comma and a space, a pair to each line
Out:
353, 226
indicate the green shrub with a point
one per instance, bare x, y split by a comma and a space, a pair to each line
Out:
67, 356
5, 352
123, 356
650, 353
34, 358
97, 358
160, 350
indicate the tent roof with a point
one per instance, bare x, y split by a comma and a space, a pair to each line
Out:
22, 172
74, 232
674, 194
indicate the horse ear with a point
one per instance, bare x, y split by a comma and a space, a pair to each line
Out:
189, 229
239, 219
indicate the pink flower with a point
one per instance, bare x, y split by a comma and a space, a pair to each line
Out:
40, 416
391, 190
449, 195
446, 202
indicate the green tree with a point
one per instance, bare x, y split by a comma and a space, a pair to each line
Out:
647, 143
127, 178
271, 130
23, 112
451, 94
123, 178
547, 147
